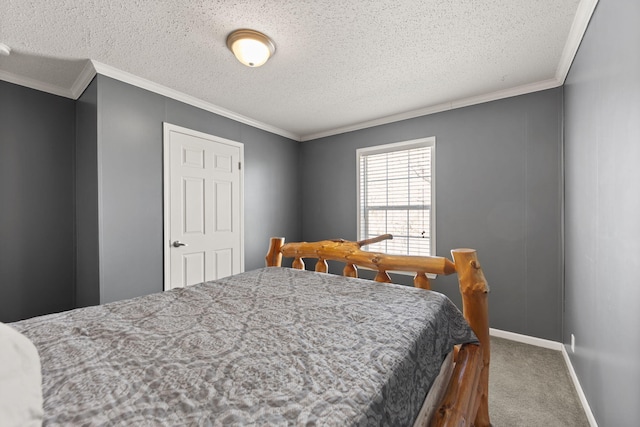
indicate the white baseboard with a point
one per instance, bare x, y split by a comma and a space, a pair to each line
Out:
526, 339
576, 383
553, 345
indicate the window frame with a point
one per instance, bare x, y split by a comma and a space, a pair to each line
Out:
393, 147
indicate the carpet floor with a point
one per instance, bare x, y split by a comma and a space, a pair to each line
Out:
531, 386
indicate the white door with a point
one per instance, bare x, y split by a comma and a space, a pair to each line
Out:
203, 207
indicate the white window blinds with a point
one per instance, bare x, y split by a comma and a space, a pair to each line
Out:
396, 196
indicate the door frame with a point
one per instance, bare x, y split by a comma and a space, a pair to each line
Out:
166, 177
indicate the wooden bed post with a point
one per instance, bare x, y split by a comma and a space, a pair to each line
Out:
274, 256
475, 306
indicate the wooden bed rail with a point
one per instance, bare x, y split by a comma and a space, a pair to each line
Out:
350, 253
461, 397
467, 392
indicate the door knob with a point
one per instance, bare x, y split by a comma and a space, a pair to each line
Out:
178, 243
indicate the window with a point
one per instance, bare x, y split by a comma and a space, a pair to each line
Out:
396, 194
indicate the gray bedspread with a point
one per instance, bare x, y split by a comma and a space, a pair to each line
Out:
273, 346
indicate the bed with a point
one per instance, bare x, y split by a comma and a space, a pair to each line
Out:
276, 346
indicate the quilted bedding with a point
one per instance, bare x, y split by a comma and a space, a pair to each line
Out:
274, 346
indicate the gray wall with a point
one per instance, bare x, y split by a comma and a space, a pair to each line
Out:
36, 195
130, 185
86, 191
498, 190
602, 213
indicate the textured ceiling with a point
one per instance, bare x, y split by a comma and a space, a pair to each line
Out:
338, 64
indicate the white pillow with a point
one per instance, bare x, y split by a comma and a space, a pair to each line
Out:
20, 380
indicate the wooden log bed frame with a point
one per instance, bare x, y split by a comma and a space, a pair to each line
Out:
465, 401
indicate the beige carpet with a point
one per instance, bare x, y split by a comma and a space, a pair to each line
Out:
530, 386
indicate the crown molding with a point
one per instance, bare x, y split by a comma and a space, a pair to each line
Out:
123, 76
94, 67
576, 33
35, 84
578, 29
507, 93
83, 80
464, 102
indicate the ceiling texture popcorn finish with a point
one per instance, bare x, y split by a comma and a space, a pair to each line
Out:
340, 65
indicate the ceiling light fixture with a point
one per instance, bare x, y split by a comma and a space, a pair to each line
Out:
252, 48
4, 50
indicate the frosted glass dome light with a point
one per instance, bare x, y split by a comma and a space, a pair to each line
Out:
252, 48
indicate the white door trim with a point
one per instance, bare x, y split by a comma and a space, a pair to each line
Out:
167, 128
